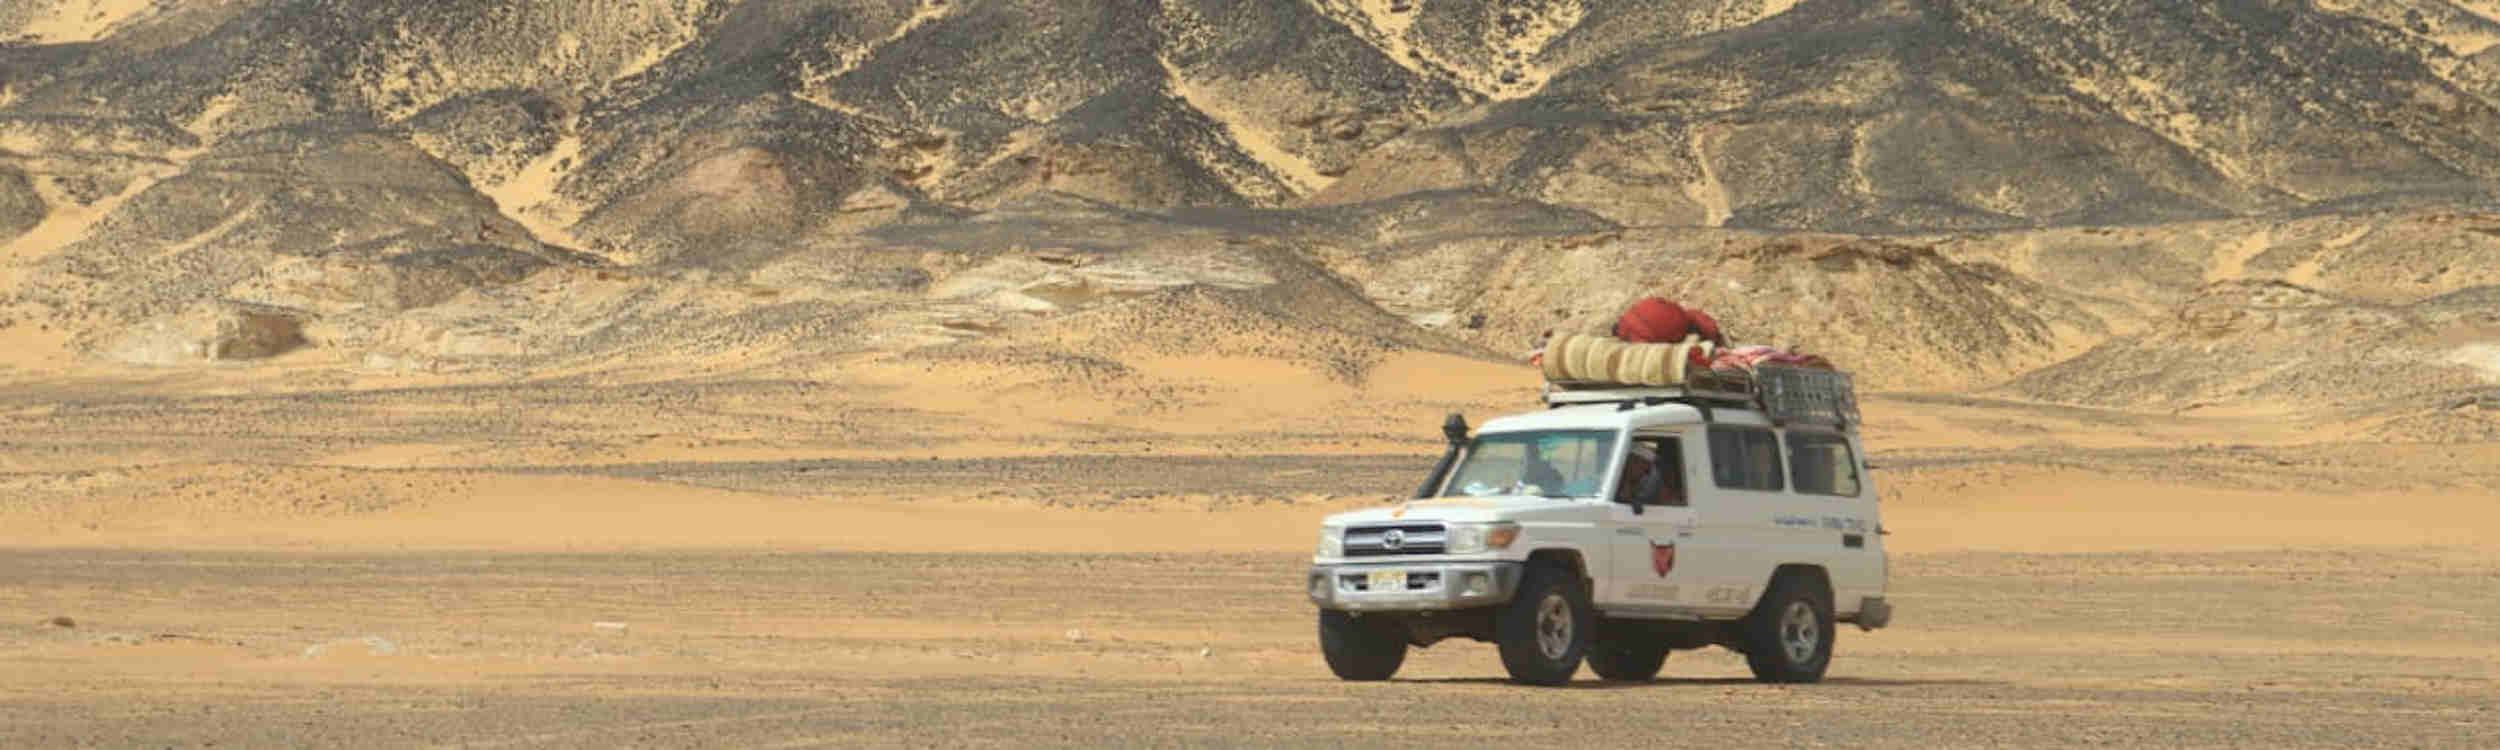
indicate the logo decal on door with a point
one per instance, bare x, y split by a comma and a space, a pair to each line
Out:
1661, 557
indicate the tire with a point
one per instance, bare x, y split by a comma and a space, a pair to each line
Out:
1788, 636
1544, 632
1627, 657
1361, 649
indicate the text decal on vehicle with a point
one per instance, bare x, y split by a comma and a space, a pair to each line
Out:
1728, 595
1659, 592
1834, 523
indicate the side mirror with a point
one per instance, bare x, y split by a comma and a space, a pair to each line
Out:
1455, 429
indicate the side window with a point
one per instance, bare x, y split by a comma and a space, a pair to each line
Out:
1745, 458
1671, 470
1654, 473
1823, 463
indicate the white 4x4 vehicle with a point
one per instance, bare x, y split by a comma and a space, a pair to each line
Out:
1549, 534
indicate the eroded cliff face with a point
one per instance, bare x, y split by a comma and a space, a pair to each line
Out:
2041, 196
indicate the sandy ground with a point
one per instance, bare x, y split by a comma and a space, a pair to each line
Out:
276, 557
757, 648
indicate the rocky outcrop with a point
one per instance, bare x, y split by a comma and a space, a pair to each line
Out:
2279, 343
21, 208
211, 333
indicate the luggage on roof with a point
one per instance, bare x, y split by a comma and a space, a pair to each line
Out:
1785, 394
1786, 385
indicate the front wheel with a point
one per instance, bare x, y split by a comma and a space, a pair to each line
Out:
1544, 631
1788, 637
1364, 649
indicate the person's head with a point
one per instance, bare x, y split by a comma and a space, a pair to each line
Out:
1543, 452
1637, 464
1642, 459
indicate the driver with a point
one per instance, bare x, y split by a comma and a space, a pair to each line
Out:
1539, 473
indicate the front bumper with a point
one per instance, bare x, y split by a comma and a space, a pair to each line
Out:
1430, 586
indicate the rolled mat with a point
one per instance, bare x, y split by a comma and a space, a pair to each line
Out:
1550, 357
1598, 359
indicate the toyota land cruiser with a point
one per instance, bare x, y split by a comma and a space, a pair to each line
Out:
1616, 526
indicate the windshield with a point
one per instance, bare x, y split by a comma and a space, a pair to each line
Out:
1562, 463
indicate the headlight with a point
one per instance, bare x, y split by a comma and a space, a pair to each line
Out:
1331, 542
1476, 538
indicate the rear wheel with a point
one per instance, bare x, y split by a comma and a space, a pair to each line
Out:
1361, 648
1788, 637
1544, 631
1627, 657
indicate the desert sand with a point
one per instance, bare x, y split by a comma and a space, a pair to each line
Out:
249, 562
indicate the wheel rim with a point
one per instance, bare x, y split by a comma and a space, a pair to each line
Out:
1800, 632
1553, 626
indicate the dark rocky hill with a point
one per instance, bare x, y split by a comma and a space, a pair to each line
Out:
1893, 115
2003, 185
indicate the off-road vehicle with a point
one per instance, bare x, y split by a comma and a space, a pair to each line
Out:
1616, 526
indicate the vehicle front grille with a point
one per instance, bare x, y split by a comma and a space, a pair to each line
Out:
1396, 539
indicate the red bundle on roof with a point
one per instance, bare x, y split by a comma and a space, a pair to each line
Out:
1656, 320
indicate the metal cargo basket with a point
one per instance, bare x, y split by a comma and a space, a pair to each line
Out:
1793, 395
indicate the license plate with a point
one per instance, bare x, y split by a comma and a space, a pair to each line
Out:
1388, 580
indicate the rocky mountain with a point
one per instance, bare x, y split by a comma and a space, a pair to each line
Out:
2046, 197
1913, 116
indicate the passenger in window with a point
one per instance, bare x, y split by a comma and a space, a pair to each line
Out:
1638, 481
1649, 479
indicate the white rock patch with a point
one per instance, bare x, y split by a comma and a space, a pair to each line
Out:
2483, 357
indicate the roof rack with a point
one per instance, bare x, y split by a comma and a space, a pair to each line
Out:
1572, 394
1786, 395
